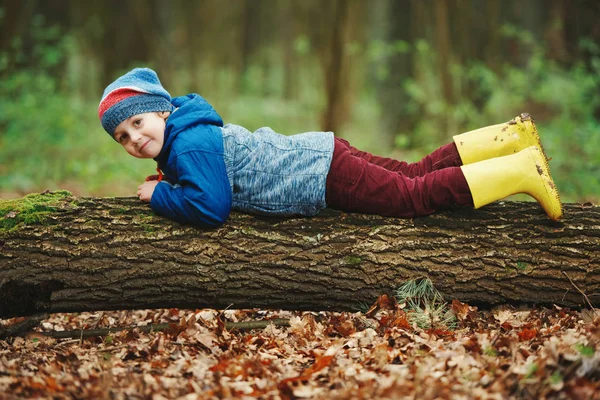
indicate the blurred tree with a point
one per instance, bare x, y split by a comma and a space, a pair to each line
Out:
15, 20
340, 23
444, 49
287, 27
250, 37
334, 65
406, 73
185, 39
555, 31
391, 32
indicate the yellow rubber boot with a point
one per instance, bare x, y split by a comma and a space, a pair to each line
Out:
498, 140
524, 172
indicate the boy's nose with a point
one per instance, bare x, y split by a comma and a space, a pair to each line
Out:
136, 137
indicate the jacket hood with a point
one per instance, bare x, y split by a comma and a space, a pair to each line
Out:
191, 110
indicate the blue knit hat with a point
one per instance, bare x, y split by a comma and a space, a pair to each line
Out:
138, 91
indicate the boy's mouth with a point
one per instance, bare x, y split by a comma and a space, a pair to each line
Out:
145, 144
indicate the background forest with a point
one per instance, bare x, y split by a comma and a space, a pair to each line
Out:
396, 77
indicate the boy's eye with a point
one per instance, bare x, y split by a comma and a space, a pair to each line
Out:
137, 122
122, 138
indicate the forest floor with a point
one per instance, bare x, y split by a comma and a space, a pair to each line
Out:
532, 353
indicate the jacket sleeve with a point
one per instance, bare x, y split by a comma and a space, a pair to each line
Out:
201, 196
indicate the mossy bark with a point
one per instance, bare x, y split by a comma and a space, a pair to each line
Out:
114, 253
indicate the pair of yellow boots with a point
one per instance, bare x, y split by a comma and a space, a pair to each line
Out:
506, 159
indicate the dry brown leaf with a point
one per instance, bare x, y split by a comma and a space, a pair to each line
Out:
495, 355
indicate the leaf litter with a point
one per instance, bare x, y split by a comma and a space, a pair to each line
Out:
535, 353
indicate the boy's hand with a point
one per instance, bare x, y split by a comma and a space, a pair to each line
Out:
145, 190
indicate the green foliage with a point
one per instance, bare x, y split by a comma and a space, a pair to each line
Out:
586, 351
363, 307
425, 305
49, 138
563, 100
418, 289
556, 378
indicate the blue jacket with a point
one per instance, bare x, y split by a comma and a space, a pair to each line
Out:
213, 169
192, 160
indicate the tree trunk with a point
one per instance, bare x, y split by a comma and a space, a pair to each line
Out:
113, 253
335, 68
444, 50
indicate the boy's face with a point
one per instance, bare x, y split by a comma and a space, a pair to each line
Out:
142, 135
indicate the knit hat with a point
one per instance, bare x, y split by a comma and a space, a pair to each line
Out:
138, 91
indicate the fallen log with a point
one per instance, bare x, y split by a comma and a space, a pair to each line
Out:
60, 253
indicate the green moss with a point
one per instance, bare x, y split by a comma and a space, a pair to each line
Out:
76, 202
149, 229
145, 216
521, 266
351, 260
32, 209
145, 220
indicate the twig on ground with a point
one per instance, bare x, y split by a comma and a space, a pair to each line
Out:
22, 327
579, 290
79, 334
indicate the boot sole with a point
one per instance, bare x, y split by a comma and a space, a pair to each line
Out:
551, 190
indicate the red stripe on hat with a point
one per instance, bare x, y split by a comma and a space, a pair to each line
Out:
115, 97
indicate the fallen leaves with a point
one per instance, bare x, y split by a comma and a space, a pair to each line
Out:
527, 334
496, 354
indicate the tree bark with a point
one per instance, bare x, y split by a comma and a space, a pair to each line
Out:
114, 253
335, 67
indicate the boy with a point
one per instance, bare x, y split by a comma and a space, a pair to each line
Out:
211, 169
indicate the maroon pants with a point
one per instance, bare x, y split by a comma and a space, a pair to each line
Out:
361, 182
